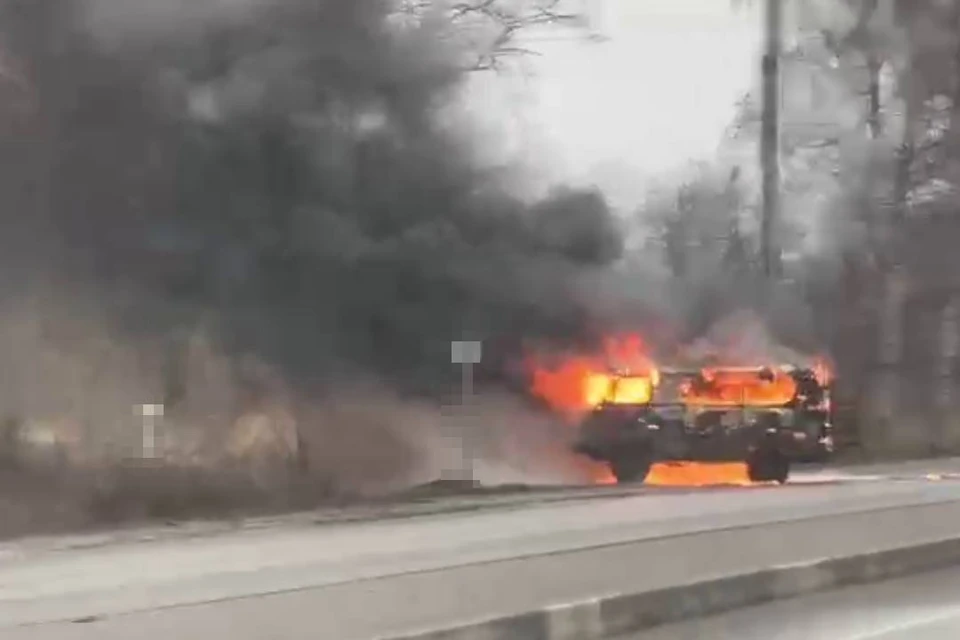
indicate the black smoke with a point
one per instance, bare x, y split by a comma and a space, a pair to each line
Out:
231, 205
285, 172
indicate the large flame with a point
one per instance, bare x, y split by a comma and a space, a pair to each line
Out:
575, 384
735, 387
623, 372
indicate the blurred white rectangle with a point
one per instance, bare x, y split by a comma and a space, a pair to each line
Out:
150, 413
150, 409
466, 351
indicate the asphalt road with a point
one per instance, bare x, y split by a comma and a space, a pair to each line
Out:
921, 607
296, 579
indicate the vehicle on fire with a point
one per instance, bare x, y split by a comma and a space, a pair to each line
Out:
766, 417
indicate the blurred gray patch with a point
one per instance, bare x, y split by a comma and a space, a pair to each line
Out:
466, 351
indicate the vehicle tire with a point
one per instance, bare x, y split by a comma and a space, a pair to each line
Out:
768, 464
630, 468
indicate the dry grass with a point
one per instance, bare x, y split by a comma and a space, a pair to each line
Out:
49, 500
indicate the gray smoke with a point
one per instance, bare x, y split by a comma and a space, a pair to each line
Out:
256, 210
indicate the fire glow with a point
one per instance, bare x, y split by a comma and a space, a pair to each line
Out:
623, 372
735, 387
698, 474
576, 384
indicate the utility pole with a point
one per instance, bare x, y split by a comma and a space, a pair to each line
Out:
770, 139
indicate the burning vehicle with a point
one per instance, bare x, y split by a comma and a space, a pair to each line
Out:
765, 417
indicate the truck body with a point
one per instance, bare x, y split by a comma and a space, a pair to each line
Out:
762, 416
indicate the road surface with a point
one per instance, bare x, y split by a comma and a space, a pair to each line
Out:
921, 607
294, 579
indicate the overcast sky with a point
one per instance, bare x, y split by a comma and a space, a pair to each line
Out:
657, 94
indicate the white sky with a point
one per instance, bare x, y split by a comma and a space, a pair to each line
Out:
657, 94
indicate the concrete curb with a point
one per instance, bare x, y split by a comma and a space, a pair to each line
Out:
613, 615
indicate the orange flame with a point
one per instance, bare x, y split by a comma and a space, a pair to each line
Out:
630, 389
734, 387
698, 474
578, 383
604, 476
623, 372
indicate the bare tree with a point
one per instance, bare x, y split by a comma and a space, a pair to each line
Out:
495, 30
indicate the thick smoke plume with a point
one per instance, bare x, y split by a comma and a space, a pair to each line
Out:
258, 212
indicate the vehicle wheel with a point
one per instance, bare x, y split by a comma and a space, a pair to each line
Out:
768, 464
630, 469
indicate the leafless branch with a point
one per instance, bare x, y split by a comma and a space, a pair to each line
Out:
506, 20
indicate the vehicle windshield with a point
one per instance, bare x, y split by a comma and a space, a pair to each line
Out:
628, 389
